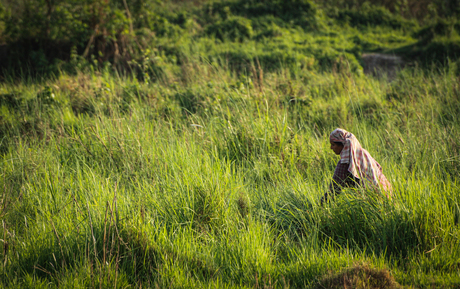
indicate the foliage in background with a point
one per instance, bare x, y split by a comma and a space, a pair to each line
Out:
49, 36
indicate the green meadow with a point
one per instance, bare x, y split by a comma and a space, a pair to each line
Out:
186, 144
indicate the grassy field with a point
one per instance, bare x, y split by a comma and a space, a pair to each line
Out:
202, 163
215, 181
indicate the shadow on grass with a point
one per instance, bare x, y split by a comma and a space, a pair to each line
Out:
367, 223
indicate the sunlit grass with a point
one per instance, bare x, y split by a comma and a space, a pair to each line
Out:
215, 181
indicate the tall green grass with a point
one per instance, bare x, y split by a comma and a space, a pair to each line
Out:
207, 178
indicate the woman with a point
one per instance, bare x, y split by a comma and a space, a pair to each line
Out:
356, 167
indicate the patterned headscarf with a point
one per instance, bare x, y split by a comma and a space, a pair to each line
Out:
361, 164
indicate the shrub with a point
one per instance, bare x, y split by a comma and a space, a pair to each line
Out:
438, 42
298, 12
441, 27
369, 15
233, 28
441, 49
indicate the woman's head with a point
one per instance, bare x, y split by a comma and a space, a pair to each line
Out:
340, 142
338, 138
337, 147
340, 135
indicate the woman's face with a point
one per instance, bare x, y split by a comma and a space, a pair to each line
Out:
337, 148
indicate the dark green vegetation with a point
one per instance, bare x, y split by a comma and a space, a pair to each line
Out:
47, 36
186, 145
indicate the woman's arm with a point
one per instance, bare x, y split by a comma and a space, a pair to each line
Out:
340, 179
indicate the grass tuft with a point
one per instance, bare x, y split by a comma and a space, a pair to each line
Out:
360, 276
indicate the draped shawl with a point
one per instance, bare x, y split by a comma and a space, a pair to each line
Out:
360, 163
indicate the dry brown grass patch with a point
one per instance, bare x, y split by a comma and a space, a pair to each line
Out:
360, 276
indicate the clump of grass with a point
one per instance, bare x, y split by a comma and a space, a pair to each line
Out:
370, 221
243, 205
360, 276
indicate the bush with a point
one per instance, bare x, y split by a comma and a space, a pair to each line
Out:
297, 12
438, 42
233, 28
372, 16
440, 28
441, 49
